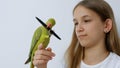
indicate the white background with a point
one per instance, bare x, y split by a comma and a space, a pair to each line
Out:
17, 25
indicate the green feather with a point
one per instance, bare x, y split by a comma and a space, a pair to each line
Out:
41, 35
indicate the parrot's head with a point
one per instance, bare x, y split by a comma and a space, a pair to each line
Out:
50, 23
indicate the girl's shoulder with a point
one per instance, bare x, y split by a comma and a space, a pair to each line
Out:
115, 56
115, 60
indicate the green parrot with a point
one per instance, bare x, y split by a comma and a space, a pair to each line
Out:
41, 35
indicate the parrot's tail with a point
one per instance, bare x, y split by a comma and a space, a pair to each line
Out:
28, 60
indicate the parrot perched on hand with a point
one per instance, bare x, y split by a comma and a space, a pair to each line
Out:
41, 35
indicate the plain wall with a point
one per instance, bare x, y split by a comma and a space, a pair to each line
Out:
17, 25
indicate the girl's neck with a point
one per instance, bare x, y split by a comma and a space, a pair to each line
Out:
94, 55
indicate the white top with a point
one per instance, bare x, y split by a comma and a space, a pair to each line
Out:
112, 61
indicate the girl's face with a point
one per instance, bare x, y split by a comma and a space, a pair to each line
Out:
89, 27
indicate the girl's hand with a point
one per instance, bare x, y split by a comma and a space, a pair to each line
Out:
42, 56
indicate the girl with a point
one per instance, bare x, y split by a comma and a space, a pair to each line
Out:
95, 42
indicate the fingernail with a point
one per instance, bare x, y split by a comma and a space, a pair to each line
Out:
53, 55
40, 46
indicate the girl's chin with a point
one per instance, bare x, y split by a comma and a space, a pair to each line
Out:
85, 45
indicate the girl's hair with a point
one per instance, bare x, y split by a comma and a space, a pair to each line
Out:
75, 51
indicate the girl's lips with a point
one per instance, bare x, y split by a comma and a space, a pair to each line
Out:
82, 36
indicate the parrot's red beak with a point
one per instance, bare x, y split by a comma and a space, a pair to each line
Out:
49, 25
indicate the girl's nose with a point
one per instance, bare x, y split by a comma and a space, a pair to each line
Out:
79, 28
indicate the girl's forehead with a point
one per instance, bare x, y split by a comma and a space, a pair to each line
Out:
83, 12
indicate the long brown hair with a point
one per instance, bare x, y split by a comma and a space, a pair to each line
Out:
75, 51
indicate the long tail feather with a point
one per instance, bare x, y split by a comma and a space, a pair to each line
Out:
28, 60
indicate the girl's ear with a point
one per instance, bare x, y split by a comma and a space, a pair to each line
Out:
107, 25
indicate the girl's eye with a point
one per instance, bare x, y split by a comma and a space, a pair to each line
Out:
76, 23
87, 21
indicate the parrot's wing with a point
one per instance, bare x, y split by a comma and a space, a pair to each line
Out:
36, 36
35, 39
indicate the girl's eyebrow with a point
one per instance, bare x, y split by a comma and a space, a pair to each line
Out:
74, 20
84, 16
